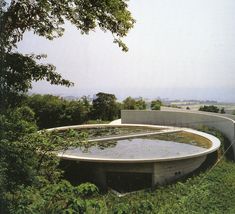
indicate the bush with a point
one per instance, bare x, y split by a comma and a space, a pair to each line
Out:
121, 208
156, 105
134, 104
222, 111
143, 207
87, 190
210, 108
53, 111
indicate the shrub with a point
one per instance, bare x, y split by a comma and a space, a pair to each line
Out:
210, 108
87, 190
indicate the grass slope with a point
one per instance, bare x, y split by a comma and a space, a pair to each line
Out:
209, 192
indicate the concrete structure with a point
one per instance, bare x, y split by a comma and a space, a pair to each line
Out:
222, 122
162, 170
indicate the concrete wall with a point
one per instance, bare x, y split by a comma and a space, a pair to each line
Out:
162, 172
165, 172
223, 123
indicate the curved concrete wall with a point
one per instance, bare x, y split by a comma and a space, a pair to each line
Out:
223, 123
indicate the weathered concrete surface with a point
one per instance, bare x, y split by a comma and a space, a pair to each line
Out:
162, 170
166, 172
215, 146
180, 118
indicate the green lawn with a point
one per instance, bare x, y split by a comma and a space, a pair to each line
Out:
210, 192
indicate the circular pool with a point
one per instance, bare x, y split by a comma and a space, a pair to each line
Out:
164, 153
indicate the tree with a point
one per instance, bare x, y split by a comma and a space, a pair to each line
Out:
222, 111
29, 172
140, 104
129, 103
51, 111
105, 106
17, 73
210, 108
29, 164
156, 104
76, 112
46, 18
134, 104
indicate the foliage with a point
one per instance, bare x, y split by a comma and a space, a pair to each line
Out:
87, 190
105, 107
140, 104
37, 148
77, 112
134, 104
121, 208
31, 182
211, 191
17, 73
53, 111
222, 111
156, 104
173, 106
129, 103
183, 137
226, 144
56, 198
47, 18
15, 124
144, 206
28, 161
108, 131
98, 121
210, 108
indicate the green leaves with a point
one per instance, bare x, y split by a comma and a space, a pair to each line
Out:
105, 106
54, 111
209, 192
61, 197
46, 18
134, 104
18, 71
156, 105
210, 108
87, 190
121, 44
16, 124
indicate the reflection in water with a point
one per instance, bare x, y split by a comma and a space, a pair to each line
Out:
98, 132
135, 148
100, 145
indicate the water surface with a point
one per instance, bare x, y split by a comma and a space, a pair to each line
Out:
136, 148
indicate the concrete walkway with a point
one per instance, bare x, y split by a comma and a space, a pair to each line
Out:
116, 122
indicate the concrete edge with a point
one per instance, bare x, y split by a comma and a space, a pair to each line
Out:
215, 146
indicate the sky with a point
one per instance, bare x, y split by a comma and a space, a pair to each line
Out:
182, 49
